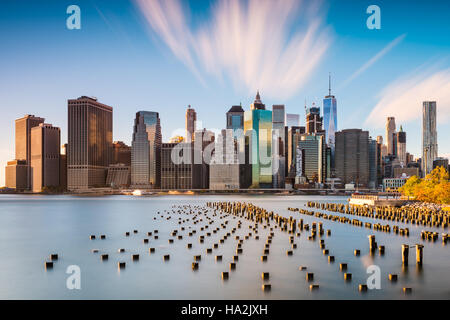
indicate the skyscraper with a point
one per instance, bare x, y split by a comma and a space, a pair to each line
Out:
191, 123
23, 142
90, 143
278, 145
121, 153
45, 153
390, 131
383, 147
352, 156
16, 175
330, 118
63, 167
235, 118
146, 150
429, 136
292, 138
373, 163
174, 175
224, 167
202, 148
258, 126
292, 120
313, 119
313, 156
401, 147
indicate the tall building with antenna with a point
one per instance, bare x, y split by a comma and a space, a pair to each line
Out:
330, 117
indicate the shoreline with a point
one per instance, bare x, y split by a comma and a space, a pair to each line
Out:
144, 193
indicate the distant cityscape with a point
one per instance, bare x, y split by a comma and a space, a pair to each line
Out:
258, 149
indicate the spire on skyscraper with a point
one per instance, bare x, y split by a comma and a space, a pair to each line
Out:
258, 97
257, 104
329, 84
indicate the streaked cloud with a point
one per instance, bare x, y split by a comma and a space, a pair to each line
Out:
373, 60
404, 97
271, 45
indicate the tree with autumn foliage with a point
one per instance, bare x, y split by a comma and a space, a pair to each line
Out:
435, 187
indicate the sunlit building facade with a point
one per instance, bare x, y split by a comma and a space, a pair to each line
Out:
390, 135
90, 143
258, 126
146, 150
191, 124
45, 153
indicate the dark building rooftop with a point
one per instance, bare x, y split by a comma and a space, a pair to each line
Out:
236, 109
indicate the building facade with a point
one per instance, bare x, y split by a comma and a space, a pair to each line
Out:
16, 173
191, 124
224, 166
278, 145
23, 143
293, 136
176, 175
146, 151
203, 149
121, 153
292, 120
118, 176
440, 162
313, 157
258, 127
390, 132
90, 143
313, 120
429, 136
235, 119
63, 167
45, 154
352, 157
374, 161
401, 147
393, 184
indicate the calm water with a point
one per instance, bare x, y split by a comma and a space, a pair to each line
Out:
32, 227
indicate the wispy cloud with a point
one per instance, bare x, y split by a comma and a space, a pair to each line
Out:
373, 60
404, 97
249, 42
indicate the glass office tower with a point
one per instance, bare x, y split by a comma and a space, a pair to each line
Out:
235, 119
278, 152
258, 126
146, 150
330, 121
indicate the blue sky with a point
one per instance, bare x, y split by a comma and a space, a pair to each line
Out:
122, 56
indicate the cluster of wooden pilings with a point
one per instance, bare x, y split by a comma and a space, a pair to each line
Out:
417, 216
346, 220
256, 214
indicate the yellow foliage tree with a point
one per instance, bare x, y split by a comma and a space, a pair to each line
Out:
435, 187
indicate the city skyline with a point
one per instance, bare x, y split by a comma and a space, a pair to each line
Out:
155, 72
